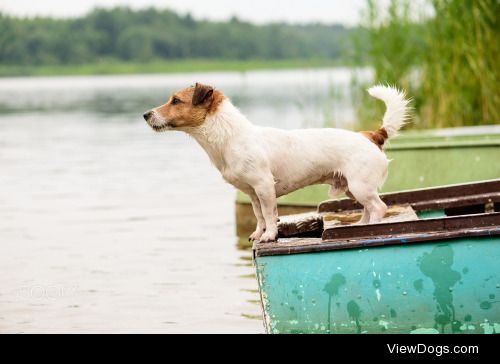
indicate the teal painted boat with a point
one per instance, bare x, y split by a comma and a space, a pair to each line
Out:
433, 266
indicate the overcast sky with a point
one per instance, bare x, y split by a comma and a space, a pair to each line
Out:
259, 11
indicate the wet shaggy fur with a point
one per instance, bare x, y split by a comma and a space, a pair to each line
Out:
266, 163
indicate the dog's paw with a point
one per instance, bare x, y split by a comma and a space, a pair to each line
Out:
269, 236
256, 235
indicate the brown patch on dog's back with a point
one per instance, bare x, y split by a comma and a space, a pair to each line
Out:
189, 107
378, 137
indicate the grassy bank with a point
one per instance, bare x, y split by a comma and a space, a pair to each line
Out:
172, 66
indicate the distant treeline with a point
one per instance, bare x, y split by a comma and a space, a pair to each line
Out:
146, 35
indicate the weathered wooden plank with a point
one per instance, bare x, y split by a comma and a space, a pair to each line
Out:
308, 224
364, 236
430, 226
312, 224
302, 246
394, 214
430, 199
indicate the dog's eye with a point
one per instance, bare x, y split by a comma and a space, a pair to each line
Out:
176, 101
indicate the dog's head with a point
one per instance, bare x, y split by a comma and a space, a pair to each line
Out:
185, 109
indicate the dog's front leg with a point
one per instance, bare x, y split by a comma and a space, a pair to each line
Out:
266, 193
261, 222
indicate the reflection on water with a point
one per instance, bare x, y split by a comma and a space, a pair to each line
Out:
108, 227
288, 99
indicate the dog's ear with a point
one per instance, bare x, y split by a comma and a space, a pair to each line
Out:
201, 93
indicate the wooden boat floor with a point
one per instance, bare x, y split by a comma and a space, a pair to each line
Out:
312, 224
394, 214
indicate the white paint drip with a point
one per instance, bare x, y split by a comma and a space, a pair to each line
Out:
490, 328
424, 332
384, 324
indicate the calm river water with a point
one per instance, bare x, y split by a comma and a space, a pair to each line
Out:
107, 227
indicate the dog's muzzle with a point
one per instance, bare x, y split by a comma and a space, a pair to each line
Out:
152, 119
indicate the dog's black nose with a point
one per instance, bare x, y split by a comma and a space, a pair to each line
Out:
147, 115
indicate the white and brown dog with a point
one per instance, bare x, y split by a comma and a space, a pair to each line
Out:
267, 163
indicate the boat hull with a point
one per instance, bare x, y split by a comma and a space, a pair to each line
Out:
446, 287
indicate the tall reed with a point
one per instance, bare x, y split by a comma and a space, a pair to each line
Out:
449, 61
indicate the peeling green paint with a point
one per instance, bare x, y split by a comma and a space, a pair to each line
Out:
468, 327
437, 265
354, 313
485, 305
384, 325
333, 286
491, 328
332, 289
419, 285
456, 326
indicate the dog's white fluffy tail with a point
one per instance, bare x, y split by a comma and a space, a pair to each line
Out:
398, 111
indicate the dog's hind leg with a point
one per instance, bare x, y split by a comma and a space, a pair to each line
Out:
366, 195
365, 219
380, 210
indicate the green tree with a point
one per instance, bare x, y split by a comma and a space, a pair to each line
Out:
150, 34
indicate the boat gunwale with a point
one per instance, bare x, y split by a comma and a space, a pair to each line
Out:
482, 225
429, 199
442, 145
